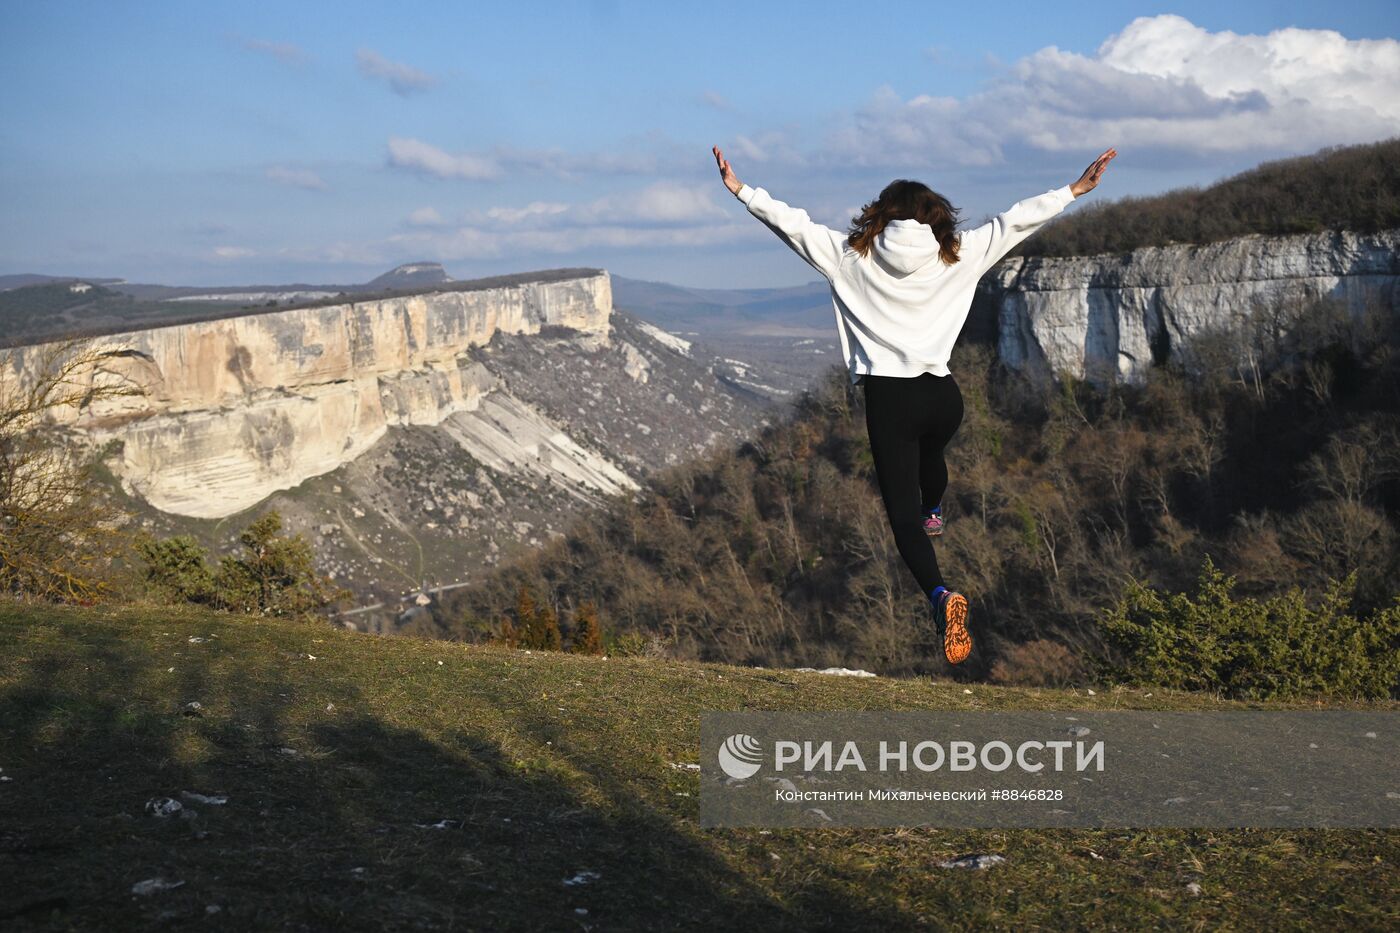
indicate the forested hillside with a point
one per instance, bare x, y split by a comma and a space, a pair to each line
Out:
1337, 188
1282, 466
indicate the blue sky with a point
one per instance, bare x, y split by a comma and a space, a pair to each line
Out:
205, 143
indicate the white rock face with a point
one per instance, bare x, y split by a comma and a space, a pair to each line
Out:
232, 410
508, 435
636, 365
1101, 317
666, 337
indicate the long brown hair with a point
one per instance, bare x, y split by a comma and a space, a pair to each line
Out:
903, 199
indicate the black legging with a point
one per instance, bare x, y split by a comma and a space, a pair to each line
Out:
911, 420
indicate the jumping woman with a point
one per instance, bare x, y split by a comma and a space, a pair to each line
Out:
902, 282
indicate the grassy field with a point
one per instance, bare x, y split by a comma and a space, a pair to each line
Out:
332, 746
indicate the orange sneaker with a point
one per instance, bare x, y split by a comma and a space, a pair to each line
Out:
952, 613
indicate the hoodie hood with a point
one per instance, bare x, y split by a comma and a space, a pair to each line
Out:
906, 245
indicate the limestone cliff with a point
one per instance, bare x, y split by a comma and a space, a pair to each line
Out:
1106, 317
233, 409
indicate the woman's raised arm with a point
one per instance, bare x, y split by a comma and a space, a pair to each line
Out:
1090, 179
726, 173
986, 245
820, 246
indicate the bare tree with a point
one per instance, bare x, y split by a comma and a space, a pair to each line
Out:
57, 528
1354, 463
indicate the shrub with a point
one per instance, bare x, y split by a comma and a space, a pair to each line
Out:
524, 610
587, 634
536, 627
639, 645
506, 634
1039, 663
545, 634
177, 568
1290, 645
275, 574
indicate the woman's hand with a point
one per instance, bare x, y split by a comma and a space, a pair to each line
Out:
727, 173
1090, 178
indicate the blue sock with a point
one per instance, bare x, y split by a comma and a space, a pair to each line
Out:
935, 593
936, 510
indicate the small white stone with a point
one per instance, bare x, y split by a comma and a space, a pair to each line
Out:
163, 807
154, 886
978, 862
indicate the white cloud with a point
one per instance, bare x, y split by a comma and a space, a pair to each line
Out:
516, 215
661, 203
425, 217
570, 165
664, 215
296, 177
232, 252
284, 52
425, 158
415, 155
1161, 83
486, 243
340, 253
661, 215
716, 100
748, 149
771, 147
403, 79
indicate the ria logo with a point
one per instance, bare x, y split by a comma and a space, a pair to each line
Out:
740, 756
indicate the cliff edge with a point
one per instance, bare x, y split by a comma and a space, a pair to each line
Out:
233, 409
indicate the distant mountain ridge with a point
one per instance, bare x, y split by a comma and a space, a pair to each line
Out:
23, 279
794, 311
411, 275
408, 275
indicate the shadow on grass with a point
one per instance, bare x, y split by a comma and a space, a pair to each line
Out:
322, 825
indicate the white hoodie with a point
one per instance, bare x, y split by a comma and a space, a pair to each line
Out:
900, 309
